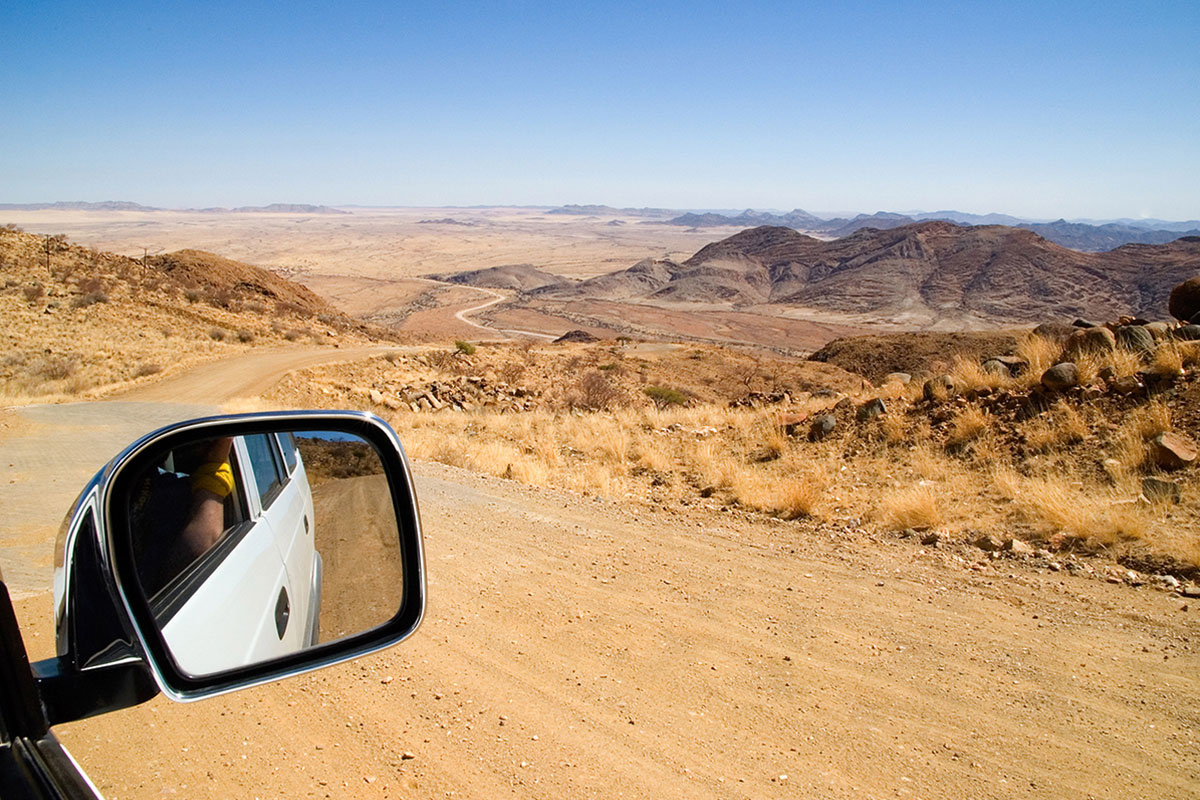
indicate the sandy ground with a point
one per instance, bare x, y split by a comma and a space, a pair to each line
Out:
602, 648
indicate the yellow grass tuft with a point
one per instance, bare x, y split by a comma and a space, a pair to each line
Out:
913, 507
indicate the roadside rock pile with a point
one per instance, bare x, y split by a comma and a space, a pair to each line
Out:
465, 393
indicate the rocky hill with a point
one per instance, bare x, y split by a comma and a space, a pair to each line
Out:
80, 320
1075, 235
518, 277
928, 271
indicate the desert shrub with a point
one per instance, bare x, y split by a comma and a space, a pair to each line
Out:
221, 298
166, 331
244, 336
89, 299
292, 334
512, 373
254, 307
192, 295
34, 292
466, 348
216, 334
596, 392
664, 396
391, 356
54, 368
145, 369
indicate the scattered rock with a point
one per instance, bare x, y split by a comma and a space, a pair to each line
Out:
994, 366
988, 543
1017, 547
1083, 323
708, 491
1136, 339
1126, 384
1089, 340
1063, 376
821, 427
1187, 333
843, 405
931, 539
938, 388
870, 410
902, 378
376, 397
1159, 330
1172, 450
1055, 331
1184, 302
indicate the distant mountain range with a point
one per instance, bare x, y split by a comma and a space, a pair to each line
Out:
122, 205
923, 272
1076, 235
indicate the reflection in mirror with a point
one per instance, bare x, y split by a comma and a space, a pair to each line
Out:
256, 546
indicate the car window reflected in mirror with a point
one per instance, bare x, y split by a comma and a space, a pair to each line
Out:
257, 546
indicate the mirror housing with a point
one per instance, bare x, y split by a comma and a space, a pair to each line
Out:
112, 652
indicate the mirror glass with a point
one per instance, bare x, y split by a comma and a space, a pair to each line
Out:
256, 546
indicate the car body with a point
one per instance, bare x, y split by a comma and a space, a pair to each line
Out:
123, 638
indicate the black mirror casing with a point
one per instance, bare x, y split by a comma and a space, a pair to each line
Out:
109, 577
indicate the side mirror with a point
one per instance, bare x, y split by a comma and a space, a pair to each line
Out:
232, 551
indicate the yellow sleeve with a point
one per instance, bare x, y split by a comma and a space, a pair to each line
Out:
215, 476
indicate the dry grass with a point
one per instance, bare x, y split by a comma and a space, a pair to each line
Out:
1057, 505
916, 507
969, 424
1063, 425
1130, 448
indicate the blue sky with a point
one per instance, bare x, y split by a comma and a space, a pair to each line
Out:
1039, 109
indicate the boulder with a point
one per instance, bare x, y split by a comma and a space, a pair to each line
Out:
821, 427
1061, 377
988, 543
1016, 365
870, 410
1055, 331
940, 387
1159, 330
1172, 450
1136, 339
1089, 340
902, 378
1158, 490
1125, 385
1017, 547
1187, 333
994, 366
1184, 302
1084, 323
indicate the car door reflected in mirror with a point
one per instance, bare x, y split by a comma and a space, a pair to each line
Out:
256, 546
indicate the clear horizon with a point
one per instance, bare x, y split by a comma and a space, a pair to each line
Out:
1037, 110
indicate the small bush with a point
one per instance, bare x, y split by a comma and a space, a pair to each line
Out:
34, 292
292, 335
916, 507
466, 348
664, 396
192, 295
596, 392
216, 334
89, 299
147, 369
55, 368
244, 336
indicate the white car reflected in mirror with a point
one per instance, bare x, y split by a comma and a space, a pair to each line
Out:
258, 546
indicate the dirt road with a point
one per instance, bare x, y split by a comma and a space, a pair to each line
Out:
578, 647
